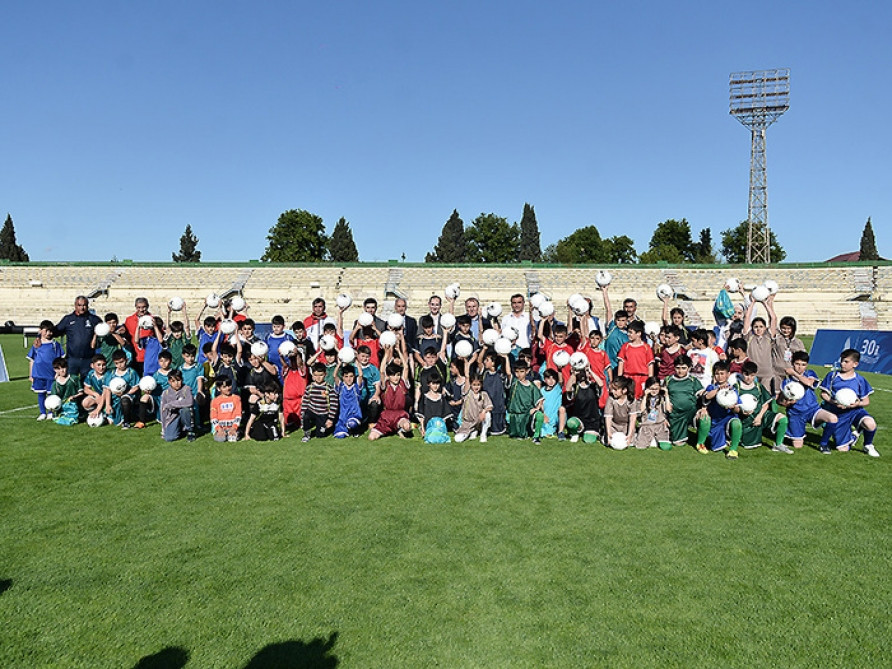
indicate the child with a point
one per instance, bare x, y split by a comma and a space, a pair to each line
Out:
556, 342
149, 403
96, 400
349, 390
69, 389
122, 405
207, 333
586, 391
40, 364
302, 341
524, 400
552, 415
702, 357
267, 420
457, 387
192, 377
370, 376
392, 396
654, 429
319, 405
782, 349
853, 419
759, 338
433, 404
723, 422
294, 372
176, 409
114, 340
427, 338
683, 392
274, 340
178, 335
226, 412
475, 412
598, 364
675, 317
636, 358
621, 412
151, 345
805, 411
616, 332
432, 365
228, 362
246, 337
495, 382
737, 349
764, 417
669, 352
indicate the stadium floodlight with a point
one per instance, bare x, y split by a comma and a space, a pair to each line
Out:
758, 99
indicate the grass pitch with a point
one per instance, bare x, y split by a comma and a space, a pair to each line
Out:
119, 550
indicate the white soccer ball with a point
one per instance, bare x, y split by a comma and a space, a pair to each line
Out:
453, 290
117, 385
395, 321
503, 345
147, 384
537, 299
726, 398
490, 336
845, 397
464, 348
286, 348
347, 355
447, 321
618, 441
561, 358
510, 333
365, 319
652, 329
387, 338
228, 326
343, 301
546, 309
573, 299
664, 291
794, 391
212, 300
95, 421
328, 342
146, 322
580, 306
732, 285
760, 293
748, 403
260, 349
579, 361
102, 329
176, 303
494, 310
603, 278
772, 286
237, 303
52, 402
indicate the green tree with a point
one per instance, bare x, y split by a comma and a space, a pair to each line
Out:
530, 248
492, 239
703, 251
298, 236
580, 247
341, 247
662, 253
10, 249
188, 247
671, 233
452, 246
621, 250
868, 243
734, 244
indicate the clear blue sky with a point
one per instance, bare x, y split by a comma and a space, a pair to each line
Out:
122, 122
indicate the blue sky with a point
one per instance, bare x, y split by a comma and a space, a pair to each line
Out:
123, 122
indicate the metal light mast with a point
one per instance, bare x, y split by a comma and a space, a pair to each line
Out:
757, 100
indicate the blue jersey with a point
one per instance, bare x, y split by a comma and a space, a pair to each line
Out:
274, 342
613, 342
370, 377
809, 402
554, 397
95, 382
190, 377
715, 410
152, 347
130, 376
162, 381
833, 383
204, 338
43, 357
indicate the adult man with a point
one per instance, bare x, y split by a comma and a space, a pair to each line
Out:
131, 324
520, 320
78, 330
479, 323
630, 306
410, 325
316, 321
370, 305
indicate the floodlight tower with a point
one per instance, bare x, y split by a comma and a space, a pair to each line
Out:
757, 100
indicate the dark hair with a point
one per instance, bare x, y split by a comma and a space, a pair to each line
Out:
683, 360
426, 321
329, 327
790, 322
364, 349
318, 300
278, 320
165, 355
98, 357
111, 316
392, 369
738, 343
550, 374
159, 322
347, 369
227, 349
176, 326
492, 355
206, 347
175, 374
118, 355
749, 367
626, 384
850, 353
559, 328
464, 319
369, 300
189, 349
223, 381
758, 319
620, 314
652, 381
210, 322
721, 366
676, 310
636, 326
318, 367
247, 322
60, 363
674, 330
48, 325
700, 335
298, 325
435, 378
429, 350
521, 364
271, 387
799, 356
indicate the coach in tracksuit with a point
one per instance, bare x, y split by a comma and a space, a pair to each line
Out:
78, 329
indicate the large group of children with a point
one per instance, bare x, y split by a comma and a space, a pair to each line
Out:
626, 384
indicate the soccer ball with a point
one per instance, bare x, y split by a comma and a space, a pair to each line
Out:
147, 384
395, 321
260, 349
453, 290
664, 291
733, 285
537, 299
102, 329
561, 358
573, 299
772, 286
603, 278
579, 306
286, 348
237, 303
343, 301
794, 391
117, 385
365, 319
494, 309
618, 441
447, 321
176, 303
726, 398
328, 342
845, 397
490, 336
546, 309
510, 333
652, 329
347, 355
748, 403
760, 293
52, 402
503, 345
95, 421
464, 348
212, 300
387, 338
228, 326
146, 322
579, 361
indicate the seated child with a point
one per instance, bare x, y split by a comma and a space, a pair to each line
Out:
226, 412
123, 404
654, 428
853, 419
70, 390
392, 396
585, 404
723, 422
267, 419
475, 412
96, 401
434, 403
176, 409
805, 411
620, 414
549, 420
764, 417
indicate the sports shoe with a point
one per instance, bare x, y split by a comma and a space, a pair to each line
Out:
42, 417
783, 448
750, 447
701, 448
190, 436
125, 426
473, 434
824, 449
231, 437
574, 438
537, 441
562, 436
111, 421
871, 450
305, 438
731, 455
482, 438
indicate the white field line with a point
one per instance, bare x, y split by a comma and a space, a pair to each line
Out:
30, 406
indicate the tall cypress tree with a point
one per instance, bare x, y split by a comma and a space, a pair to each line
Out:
341, 247
868, 243
188, 247
9, 248
529, 236
452, 246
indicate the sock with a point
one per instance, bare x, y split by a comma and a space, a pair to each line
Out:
41, 402
781, 428
736, 433
703, 427
828, 432
868, 437
538, 422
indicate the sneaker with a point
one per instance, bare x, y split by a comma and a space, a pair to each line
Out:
783, 448
824, 449
701, 448
473, 435
537, 441
125, 426
231, 437
190, 436
731, 455
42, 417
562, 436
482, 438
574, 438
138, 425
305, 438
871, 450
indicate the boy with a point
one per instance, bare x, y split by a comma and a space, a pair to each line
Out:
669, 352
95, 398
178, 335
549, 420
805, 411
267, 420
149, 403
392, 396
433, 404
114, 340
302, 341
723, 422
556, 342
738, 357
427, 338
495, 382
431, 365
246, 338
122, 405
850, 419
319, 405
524, 401
207, 333
586, 392
69, 389
616, 330
274, 340
764, 417
228, 362
635, 358
370, 376
176, 409
193, 377
226, 412
40, 364
295, 373
349, 390
683, 391
151, 345
702, 357
476, 412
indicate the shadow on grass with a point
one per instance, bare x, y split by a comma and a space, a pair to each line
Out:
168, 658
315, 654
5, 584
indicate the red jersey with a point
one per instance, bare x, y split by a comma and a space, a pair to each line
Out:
636, 361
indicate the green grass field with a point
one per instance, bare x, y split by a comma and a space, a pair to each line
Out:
118, 550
